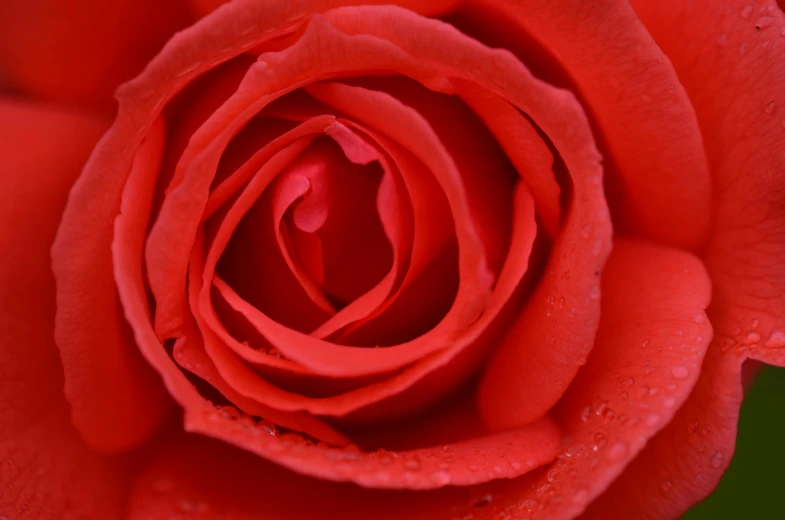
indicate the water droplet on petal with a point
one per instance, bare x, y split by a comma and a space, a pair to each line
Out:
653, 419
594, 293
747, 11
670, 402
776, 340
586, 413
764, 21
602, 408
770, 106
666, 485
698, 318
617, 451
482, 500
516, 465
599, 442
752, 338
440, 478
413, 464
717, 460
680, 372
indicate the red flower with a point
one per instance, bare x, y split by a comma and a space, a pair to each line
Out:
374, 246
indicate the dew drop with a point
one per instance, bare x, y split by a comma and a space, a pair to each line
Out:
752, 338
755, 323
594, 293
528, 505
599, 442
770, 106
680, 372
643, 391
602, 408
482, 500
670, 402
776, 340
552, 474
516, 465
653, 420
412, 464
586, 413
440, 478
666, 485
267, 427
764, 21
617, 451
717, 460
498, 470
747, 11
645, 343
698, 318
654, 391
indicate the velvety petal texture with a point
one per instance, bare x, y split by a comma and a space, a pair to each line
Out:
47, 470
442, 259
735, 91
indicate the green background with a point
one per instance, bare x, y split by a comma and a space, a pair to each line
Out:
754, 486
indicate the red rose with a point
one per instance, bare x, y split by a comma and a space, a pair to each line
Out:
368, 254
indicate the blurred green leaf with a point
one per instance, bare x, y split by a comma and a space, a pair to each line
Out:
754, 486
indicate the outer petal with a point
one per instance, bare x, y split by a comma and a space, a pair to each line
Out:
47, 471
736, 85
82, 50
226, 483
426, 7
658, 175
117, 400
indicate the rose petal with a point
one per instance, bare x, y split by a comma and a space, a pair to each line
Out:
226, 483
658, 171
100, 353
82, 50
504, 455
645, 362
426, 7
685, 462
47, 469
